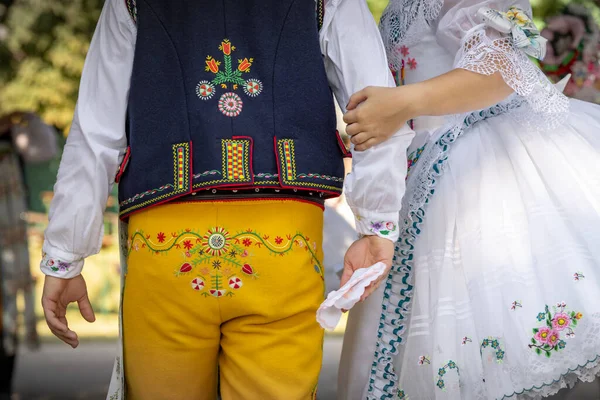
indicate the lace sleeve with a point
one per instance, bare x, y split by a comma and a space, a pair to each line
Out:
487, 49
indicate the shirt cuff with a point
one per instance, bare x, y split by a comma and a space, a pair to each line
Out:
384, 225
59, 264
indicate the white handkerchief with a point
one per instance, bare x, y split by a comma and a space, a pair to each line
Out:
330, 312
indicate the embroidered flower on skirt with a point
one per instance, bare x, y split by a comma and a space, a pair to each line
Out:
559, 323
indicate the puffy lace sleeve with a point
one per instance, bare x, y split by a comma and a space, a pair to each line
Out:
503, 43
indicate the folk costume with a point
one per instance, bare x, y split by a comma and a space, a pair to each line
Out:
495, 292
217, 120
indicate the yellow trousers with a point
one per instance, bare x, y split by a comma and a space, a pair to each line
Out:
224, 291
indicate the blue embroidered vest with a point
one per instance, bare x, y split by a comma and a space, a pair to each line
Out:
228, 94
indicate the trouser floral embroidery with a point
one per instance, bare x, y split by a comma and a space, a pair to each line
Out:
223, 290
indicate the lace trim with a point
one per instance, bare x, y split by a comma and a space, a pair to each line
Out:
397, 295
485, 55
587, 372
403, 23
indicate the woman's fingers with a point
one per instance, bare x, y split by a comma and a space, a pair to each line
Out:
367, 144
357, 98
360, 138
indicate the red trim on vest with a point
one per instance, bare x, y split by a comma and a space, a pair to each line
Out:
345, 151
123, 165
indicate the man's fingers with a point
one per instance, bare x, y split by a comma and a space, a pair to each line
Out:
356, 99
70, 339
85, 308
54, 322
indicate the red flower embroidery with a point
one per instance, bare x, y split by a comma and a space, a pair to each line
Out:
247, 242
187, 244
412, 63
212, 65
161, 237
245, 64
404, 50
278, 240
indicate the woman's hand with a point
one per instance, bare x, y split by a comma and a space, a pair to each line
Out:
376, 113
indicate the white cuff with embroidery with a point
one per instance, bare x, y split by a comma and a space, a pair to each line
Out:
59, 264
384, 225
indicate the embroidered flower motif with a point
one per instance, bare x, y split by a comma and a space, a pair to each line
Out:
548, 338
187, 244
278, 240
231, 104
404, 51
578, 276
442, 372
161, 237
235, 283
493, 343
253, 87
424, 360
205, 90
541, 316
466, 340
383, 228
543, 334
184, 269
245, 64
246, 242
412, 63
413, 158
226, 47
216, 264
515, 305
561, 321
212, 65
216, 242
197, 284
248, 270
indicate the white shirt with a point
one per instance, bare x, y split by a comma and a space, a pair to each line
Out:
354, 59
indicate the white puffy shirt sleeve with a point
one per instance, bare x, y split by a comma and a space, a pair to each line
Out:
94, 148
354, 59
485, 50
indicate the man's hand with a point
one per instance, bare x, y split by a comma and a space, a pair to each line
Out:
58, 293
364, 253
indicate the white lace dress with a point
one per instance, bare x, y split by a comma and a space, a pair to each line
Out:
495, 291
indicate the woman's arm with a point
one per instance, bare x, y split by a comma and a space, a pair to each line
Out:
491, 62
376, 111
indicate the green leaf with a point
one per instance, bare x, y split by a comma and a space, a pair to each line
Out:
385, 233
535, 330
548, 354
533, 341
538, 351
